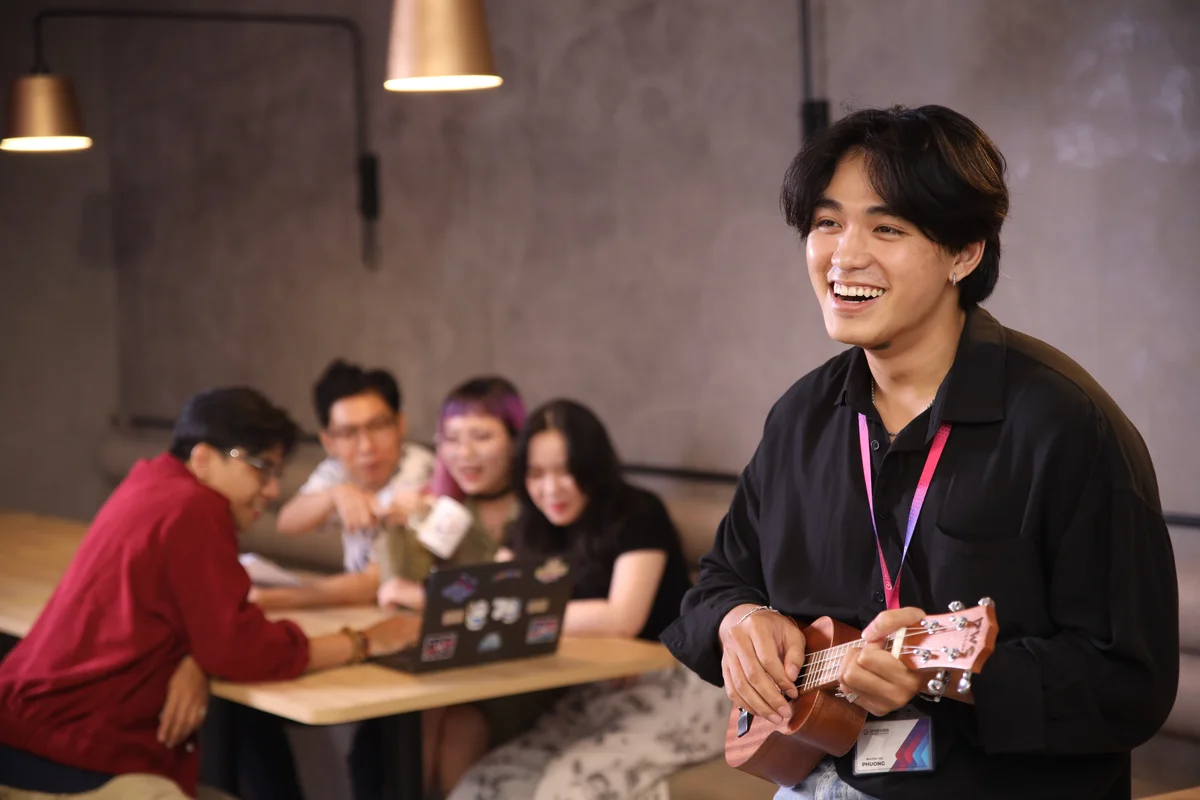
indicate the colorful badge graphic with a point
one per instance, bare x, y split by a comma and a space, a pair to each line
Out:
553, 569
461, 589
506, 609
542, 630
506, 575
439, 646
538, 605
477, 614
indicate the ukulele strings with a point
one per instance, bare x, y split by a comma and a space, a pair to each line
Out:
822, 666
827, 663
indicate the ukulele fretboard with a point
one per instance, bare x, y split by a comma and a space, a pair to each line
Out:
821, 668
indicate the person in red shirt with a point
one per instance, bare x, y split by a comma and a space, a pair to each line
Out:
112, 680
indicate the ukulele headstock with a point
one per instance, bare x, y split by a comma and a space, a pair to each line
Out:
950, 645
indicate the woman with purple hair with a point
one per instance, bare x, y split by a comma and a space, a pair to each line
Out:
476, 431
477, 426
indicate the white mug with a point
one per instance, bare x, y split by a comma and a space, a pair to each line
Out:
442, 529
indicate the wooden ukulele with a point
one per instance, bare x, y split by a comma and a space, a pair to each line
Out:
952, 646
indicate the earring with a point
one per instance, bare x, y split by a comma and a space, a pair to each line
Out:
954, 279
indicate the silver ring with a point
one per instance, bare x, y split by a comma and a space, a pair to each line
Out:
850, 698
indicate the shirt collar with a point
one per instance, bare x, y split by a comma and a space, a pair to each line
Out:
973, 391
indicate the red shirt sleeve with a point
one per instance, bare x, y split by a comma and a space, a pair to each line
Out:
229, 637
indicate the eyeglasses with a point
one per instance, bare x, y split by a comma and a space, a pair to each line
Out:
374, 429
267, 470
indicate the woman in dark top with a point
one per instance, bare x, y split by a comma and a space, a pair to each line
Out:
615, 739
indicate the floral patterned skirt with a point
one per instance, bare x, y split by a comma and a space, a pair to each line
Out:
607, 741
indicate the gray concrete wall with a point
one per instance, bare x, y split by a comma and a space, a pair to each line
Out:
58, 319
605, 225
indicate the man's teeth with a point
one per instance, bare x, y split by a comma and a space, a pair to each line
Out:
856, 291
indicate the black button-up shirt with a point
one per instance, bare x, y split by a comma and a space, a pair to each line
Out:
1045, 500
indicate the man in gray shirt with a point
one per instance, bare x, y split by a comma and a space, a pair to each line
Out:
370, 477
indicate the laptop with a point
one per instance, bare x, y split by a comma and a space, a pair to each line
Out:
481, 613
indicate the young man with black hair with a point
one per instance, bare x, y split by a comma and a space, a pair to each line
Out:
942, 458
112, 678
370, 476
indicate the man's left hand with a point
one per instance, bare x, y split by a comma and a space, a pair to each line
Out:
873, 678
187, 703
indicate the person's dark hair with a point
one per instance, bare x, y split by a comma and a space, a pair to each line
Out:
341, 379
593, 463
931, 165
232, 417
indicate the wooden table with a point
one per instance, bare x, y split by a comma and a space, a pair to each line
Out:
35, 551
366, 691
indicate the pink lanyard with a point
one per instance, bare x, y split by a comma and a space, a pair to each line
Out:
892, 590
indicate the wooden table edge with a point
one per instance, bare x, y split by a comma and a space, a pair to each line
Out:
270, 697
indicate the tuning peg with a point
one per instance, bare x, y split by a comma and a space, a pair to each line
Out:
985, 601
937, 684
935, 688
964, 683
956, 606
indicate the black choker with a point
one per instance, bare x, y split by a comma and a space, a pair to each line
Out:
488, 497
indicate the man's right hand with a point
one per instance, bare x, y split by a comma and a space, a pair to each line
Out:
762, 656
393, 634
353, 507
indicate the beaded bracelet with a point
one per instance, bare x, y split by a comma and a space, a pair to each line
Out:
361, 646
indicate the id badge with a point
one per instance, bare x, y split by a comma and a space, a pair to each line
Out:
900, 742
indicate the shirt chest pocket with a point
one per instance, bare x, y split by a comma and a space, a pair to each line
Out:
976, 513
978, 547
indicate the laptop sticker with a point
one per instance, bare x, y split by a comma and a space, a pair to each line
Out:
461, 589
454, 616
477, 614
538, 605
506, 609
542, 630
439, 646
552, 570
489, 642
506, 575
